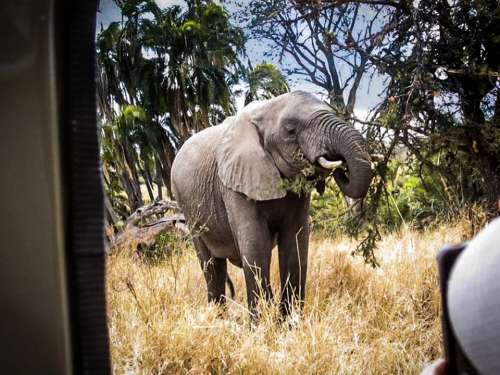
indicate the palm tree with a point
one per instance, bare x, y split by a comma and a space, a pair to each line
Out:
170, 73
200, 48
119, 152
264, 82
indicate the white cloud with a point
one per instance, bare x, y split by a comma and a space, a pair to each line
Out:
169, 3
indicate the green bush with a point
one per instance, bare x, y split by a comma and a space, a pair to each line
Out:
411, 197
327, 210
167, 244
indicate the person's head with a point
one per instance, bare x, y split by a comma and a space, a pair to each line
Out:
474, 300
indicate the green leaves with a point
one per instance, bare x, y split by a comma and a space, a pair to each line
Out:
131, 113
265, 81
163, 74
191, 26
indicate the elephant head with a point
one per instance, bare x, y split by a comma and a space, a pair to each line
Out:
273, 139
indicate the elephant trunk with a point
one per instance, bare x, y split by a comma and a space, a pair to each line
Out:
343, 142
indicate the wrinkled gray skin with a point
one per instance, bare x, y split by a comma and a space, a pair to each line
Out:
227, 180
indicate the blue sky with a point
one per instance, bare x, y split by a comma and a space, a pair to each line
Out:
368, 93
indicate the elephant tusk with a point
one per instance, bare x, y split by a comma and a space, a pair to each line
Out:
327, 164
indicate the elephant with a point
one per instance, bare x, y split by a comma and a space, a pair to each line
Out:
229, 180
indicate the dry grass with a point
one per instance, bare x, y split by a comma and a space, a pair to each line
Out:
357, 320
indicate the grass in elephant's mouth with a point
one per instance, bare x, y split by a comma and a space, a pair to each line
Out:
357, 320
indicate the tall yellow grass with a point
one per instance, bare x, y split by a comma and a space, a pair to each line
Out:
357, 320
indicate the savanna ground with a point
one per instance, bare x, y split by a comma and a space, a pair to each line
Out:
357, 319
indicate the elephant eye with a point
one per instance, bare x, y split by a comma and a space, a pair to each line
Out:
290, 131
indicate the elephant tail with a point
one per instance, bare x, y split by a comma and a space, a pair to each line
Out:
230, 285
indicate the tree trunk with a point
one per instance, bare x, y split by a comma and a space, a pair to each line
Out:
147, 182
159, 177
147, 222
133, 178
489, 171
111, 215
480, 148
133, 199
167, 160
150, 180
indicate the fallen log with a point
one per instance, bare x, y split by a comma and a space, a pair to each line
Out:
149, 221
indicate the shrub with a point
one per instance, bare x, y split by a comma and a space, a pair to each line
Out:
165, 245
410, 197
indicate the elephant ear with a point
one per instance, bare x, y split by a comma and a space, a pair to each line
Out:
243, 164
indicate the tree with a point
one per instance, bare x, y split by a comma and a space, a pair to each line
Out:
441, 105
200, 48
119, 154
320, 38
265, 81
173, 66
444, 93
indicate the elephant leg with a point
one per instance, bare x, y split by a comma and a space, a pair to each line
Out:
256, 267
214, 270
292, 249
254, 243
